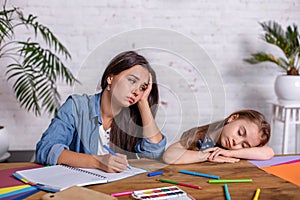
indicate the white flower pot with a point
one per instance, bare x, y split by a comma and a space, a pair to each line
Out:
4, 144
287, 88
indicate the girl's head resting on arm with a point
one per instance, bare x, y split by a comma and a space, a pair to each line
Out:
244, 129
241, 129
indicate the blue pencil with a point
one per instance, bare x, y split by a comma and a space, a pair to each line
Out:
227, 194
199, 174
112, 153
109, 150
155, 173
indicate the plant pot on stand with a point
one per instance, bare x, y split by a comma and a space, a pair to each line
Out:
4, 144
287, 89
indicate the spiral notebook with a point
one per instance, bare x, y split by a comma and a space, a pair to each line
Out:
60, 177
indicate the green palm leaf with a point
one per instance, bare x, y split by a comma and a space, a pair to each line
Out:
36, 77
34, 69
287, 41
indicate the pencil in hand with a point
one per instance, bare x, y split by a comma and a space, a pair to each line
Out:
113, 153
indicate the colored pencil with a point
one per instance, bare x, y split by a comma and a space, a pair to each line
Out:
199, 174
180, 183
227, 194
155, 173
118, 194
231, 181
256, 194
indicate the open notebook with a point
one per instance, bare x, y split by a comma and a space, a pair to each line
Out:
60, 177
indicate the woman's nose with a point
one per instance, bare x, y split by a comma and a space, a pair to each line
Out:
135, 92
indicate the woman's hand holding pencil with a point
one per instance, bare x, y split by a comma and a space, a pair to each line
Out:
112, 162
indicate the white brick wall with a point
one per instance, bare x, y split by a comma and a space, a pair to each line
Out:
227, 30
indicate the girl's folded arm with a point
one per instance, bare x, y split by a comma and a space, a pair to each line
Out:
177, 154
257, 153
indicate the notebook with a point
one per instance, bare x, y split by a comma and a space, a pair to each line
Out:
60, 177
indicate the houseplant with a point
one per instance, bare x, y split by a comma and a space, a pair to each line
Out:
34, 67
287, 87
34, 64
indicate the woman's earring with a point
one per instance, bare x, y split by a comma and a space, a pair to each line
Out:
108, 87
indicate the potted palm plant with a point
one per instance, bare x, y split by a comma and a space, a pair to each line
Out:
287, 86
34, 65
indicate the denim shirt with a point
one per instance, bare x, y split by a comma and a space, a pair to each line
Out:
206, 143
76, 128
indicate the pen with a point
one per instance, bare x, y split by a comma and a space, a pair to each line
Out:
179, 183
199, 174
118, 194
112, 153
231, 181
227, 194
256, 194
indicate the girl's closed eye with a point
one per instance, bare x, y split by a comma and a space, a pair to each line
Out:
245, 145
242, 132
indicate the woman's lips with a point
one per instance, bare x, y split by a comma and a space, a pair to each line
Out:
131, 100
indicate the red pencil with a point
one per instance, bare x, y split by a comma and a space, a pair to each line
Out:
180, 183
189, 185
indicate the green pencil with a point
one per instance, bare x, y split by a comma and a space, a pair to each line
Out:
231, 181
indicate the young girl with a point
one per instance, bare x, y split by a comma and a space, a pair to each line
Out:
244, 134
121, 116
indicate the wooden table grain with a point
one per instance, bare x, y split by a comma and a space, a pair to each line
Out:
272, 187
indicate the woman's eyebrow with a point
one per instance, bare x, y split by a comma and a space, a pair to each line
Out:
134, 76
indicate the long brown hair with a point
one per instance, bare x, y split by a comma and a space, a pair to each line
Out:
190, 138
126, 128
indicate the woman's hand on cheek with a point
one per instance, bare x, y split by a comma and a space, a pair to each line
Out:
146, 93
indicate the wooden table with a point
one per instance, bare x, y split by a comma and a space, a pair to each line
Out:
271, 186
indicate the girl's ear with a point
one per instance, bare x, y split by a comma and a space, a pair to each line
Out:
233, 117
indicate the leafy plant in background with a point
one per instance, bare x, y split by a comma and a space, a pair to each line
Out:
287, 40
34, 69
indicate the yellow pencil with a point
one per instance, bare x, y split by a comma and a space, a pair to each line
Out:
256, 194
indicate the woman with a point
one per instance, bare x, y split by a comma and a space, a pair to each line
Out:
121, 116
244, 134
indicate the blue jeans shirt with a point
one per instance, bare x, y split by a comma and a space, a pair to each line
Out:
76, 128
